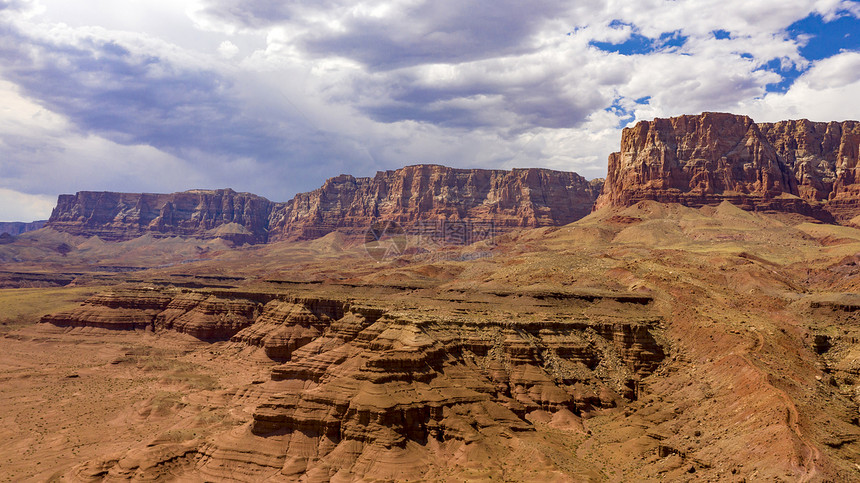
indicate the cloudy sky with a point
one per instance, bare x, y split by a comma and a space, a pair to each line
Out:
275, 97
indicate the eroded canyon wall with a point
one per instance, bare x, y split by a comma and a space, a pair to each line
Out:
792, 166
508, 199
238, 217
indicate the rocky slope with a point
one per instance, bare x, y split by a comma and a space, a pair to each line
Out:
795, 166
507, 199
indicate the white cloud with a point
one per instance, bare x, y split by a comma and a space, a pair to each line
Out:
228, 49
827, 92
840, 70
43, 152
17, 206
700, 17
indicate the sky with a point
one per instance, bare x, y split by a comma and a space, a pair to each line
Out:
275, 97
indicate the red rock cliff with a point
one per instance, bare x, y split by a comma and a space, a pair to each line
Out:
517, 198
240, 217
797, 166
822, 156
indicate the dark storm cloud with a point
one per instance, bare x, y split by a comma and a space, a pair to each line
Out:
485, 44
425, 32
134, 98
255, 14
12, 5
451, 117
141, 95
394, 41
539, 104
442, 31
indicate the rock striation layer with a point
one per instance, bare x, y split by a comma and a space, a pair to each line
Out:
132, 309
17, 227
360, 389
795, 166
206, 315
237, 217
507, 199
792, 166
400, 387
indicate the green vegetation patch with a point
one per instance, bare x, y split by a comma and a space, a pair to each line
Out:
20, 307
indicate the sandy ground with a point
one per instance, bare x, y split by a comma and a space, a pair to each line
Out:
69, 396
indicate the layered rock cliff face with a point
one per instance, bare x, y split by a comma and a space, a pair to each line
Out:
205, 315
16, 227
796, 166
365, 389
823, 158
238, 217
400, 388
509, 199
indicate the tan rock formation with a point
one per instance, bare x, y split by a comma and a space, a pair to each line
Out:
286, 325
131, 309
208, 317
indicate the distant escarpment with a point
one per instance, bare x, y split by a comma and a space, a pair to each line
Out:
508, 199
238, 217
17, 227
795, 166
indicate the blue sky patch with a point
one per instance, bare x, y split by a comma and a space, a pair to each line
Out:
625, 116
827, 38
789, 75
819, 40
638, 44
